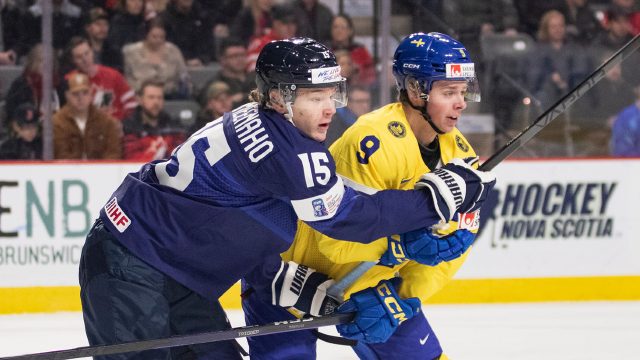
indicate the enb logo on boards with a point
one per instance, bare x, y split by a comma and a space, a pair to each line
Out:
38, 218
553, 211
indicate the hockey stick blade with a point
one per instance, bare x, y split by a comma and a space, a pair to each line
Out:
337, 290
182, 340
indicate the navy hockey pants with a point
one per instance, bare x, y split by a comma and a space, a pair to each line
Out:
124, 299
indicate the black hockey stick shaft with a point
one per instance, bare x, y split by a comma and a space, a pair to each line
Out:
182, 340
561, 105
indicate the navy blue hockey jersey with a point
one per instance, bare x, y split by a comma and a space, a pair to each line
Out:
229, 197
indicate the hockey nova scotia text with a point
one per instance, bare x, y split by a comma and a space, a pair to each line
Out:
554, 211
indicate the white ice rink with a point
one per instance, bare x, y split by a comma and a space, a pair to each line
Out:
549, 331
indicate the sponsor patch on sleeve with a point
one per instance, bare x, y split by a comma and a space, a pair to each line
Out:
322, 206
116, 215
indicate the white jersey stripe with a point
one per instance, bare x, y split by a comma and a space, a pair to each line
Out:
357, 186
320, 207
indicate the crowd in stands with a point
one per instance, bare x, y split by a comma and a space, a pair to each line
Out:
117, 62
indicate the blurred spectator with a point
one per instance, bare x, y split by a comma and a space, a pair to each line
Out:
150, 133
596, 110
154, 58
632, 9
24, 141
28, 86
110, 90
283, 26
225, 13
108, 5
473, 19
625, 139
359, 103
233, 63
582, 24
67, 23
81, 130
253, 21
530, 13
618, 31
348, 70
217, 102
12, 41
342, 35
189, 27
153, 7
97, 29
558, 65
128, 23
314, 20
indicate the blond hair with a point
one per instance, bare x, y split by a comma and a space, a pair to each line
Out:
543, 27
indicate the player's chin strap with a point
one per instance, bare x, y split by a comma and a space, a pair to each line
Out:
425, 114
289, 114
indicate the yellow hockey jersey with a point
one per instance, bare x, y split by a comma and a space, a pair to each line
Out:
379, 152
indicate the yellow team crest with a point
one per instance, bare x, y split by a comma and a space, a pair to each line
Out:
461, 144
397, 129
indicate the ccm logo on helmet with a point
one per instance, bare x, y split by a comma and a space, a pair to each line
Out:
411, 66
391, 303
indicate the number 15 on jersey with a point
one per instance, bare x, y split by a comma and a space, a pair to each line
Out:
316, 169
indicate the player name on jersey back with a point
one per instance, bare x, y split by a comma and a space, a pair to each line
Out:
251, 132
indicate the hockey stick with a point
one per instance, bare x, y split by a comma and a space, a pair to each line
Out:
337, 290
182, 340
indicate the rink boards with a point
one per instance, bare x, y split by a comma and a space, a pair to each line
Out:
554, 230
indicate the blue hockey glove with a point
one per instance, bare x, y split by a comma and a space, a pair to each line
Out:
425, 247
303, 290
379, 311
457, 187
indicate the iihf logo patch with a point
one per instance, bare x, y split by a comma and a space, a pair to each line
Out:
116, 215
319, 209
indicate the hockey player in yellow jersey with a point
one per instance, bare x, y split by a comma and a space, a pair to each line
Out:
391, 148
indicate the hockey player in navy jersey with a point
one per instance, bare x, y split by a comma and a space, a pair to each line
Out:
398, 143
179, 232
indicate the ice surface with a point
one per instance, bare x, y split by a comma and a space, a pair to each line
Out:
567, 331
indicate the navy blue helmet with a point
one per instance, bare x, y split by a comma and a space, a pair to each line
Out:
298, 63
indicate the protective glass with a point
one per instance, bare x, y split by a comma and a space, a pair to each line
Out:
471, 95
